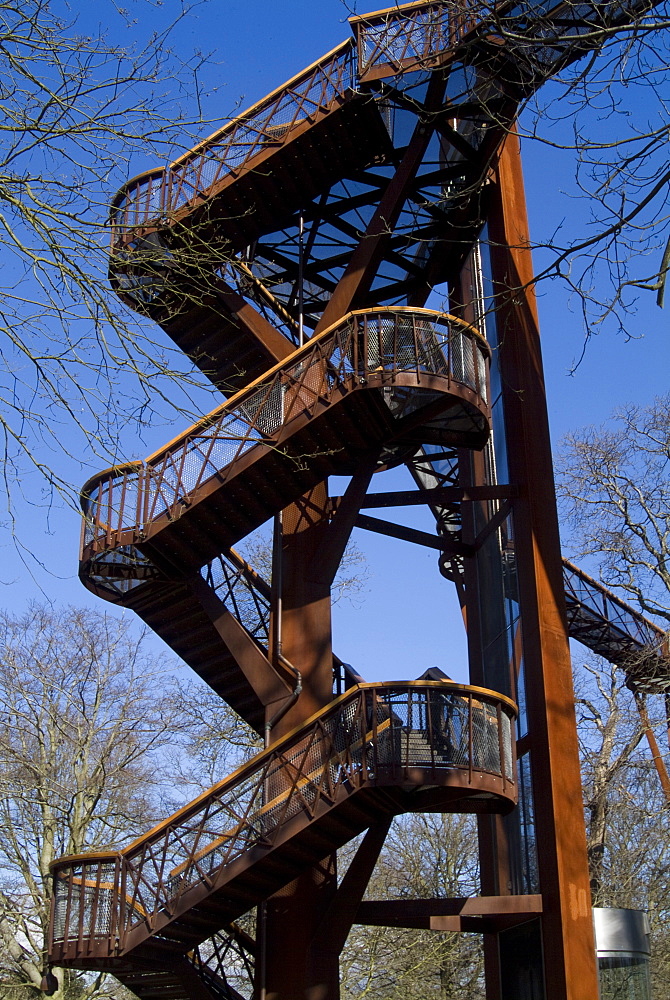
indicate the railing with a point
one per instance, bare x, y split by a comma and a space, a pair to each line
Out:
157, 194
402, 38
543, 35
376, 734
611, 628
582, 590
410, 36
393, 344
245, 594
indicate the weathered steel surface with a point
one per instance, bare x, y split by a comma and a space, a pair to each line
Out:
358, 184
376, 747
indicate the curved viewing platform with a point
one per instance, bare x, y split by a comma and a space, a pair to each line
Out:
379, 377
379, 749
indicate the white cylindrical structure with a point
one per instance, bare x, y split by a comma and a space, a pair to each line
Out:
622, 944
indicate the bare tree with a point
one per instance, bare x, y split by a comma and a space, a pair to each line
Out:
77, 109
216, 741
614, 486
349, 584
425, 856
90, 734
610, 734
609, 112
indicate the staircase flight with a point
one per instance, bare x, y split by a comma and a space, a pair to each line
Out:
376, 750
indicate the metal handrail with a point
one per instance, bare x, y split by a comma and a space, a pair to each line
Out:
158, 193
395, 343
415, 35
375, 734
390, 41
410, 35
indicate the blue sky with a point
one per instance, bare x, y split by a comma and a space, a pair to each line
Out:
255, 45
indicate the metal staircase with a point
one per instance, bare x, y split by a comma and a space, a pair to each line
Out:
377, 750
375, 382
276, 255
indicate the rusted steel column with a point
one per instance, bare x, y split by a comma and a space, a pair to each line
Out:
659, 763
484, 614
303, 606
567, 929
296, 967
492, 831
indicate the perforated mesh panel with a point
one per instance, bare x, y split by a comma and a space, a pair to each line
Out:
241, 595
403, 36
88, 899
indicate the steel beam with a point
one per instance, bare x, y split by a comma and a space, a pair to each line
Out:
479, 914
659, 763
365, 259
270, 683
439, 542
344, 909
440, 495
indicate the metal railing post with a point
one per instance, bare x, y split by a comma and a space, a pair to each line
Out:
501, 749
470, 740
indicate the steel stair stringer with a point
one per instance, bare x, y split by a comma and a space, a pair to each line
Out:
175, 980
189, 616
230, 340
185, 614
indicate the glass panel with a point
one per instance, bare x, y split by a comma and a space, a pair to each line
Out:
624, 978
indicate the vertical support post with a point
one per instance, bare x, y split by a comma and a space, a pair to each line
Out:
305, 626
566, 924
659, 763
295, 966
